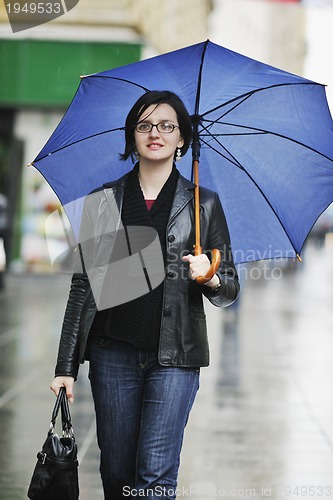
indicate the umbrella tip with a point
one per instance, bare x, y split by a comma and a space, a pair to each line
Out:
299, 258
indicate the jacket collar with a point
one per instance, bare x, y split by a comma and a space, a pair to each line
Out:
184, 193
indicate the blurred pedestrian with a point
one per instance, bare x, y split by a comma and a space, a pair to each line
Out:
145, 355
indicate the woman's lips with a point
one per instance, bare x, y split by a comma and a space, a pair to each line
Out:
154, 145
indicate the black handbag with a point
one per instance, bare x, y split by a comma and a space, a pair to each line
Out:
55, 476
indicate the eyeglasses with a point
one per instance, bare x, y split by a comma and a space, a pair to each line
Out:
163, 127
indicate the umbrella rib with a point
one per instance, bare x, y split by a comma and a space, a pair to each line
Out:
120, 79
258, 131
242, 98
78, 141
232, 134
254, 131
246, 95
240, 166
234, 162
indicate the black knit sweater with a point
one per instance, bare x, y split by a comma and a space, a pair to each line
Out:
138, 321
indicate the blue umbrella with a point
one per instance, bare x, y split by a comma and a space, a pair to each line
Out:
264, 137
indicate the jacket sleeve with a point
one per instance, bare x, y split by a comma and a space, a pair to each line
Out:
68, 359
68, 353
218, 237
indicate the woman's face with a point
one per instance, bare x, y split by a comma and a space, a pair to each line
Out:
155, 145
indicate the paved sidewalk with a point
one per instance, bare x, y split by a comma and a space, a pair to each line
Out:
262, 424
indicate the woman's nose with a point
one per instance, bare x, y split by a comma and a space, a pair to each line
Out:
154, 131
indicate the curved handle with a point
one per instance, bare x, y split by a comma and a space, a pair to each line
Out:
216, 258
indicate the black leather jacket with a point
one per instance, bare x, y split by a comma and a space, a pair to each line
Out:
183, 335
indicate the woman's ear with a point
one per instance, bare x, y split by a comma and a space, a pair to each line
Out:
180, 143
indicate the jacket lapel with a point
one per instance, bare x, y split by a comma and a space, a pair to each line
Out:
114, 193
183, 195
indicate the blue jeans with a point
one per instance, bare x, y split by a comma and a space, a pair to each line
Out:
141, 413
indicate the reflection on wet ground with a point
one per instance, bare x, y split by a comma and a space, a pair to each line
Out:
262, 425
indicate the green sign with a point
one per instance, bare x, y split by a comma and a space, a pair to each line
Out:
47, 73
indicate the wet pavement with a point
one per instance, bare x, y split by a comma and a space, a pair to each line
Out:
262, 424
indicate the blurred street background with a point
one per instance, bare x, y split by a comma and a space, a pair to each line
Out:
262, 425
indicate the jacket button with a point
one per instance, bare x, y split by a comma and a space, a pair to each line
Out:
170, 274
171, 238
167, 313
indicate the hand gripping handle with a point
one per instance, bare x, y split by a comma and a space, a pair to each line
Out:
216, 258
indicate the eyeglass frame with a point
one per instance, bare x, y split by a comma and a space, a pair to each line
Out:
152, 125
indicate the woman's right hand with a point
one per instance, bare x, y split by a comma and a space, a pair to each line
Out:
64, 381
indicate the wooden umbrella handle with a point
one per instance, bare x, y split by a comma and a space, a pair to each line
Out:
216, 258
216, 255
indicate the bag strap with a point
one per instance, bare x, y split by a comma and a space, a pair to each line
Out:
67, 427
61, 393
62, 402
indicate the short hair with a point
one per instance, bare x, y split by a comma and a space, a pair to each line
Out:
157, 97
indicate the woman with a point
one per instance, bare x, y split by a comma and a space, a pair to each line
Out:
145, 354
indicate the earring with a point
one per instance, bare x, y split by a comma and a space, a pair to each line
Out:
136, 154
178, 154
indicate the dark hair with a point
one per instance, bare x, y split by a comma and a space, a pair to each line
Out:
157, 97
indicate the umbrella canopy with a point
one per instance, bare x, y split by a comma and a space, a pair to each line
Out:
265, 135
